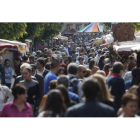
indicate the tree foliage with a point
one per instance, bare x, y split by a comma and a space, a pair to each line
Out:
12, 31
137, 26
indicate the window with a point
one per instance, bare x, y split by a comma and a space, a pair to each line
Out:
77, 27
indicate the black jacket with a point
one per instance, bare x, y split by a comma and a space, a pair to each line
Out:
45, 73
40, 80
2, 71
90, 108
117, 89
20, 78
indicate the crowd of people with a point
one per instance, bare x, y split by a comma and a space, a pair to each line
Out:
74, 78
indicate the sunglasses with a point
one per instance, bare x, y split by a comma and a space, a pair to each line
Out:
84, 71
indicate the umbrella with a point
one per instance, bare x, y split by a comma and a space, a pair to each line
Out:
92, 27
60, 37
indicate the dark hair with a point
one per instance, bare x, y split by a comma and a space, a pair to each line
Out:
72, 68
62, 69
117, 67
55, 63
33, 66
128, 97
80, 57
101, 59
55, 104
90, 88
63, 79
48, 65
64, 92
89, 59
91, 63
6, 61
131, 66
107, 66
53, 84
25, 57
17, 59
18, 89
136, 76
32, 57
69, 58
41, 61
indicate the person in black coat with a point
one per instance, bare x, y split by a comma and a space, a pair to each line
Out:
91, 107
40, 80
17, 64
2, 72
116, 84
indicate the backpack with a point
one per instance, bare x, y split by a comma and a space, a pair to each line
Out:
74, 84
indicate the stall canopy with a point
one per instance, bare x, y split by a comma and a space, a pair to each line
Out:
91, 28
127, 46
60, 37
12, 45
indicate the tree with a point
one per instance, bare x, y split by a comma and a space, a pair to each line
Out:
137, 26
12, 31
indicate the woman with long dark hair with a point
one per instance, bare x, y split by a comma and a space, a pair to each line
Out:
65, 96
54, 105
101, 62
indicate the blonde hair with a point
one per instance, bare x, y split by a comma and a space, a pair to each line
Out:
101, 72
24, 65
104, 92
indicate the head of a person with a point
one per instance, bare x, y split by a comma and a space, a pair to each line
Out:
27, 73
62, 71
72, 68
104, 94
102, 58
99, 52
107, 66
48, 65
19, 92
65, 95
55, 103
24, 65
91, 64
88, 73
81, 60
25, 58
131, 66
45, 50
33, 66
7, 62
135, 90
63, 80
49, 53
81, 71
118, 68
55, 65
17, 62
135, 76
40, 63
91, 88
129, 104
53, 84
32, 59
101, 72
68, 60
131, 58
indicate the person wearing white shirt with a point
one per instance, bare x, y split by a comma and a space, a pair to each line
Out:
5, 96
67, 50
